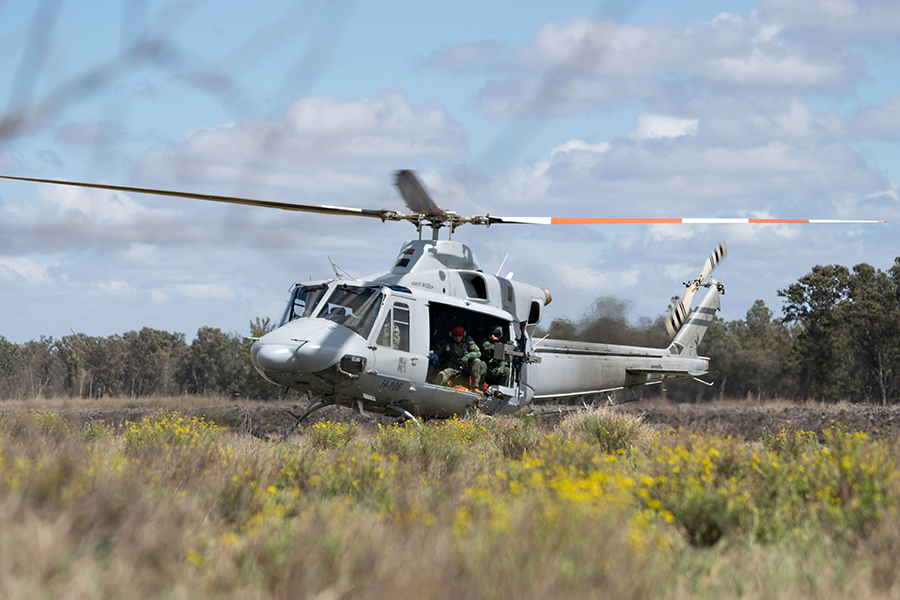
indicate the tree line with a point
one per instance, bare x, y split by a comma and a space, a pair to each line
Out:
838, 339
141, 363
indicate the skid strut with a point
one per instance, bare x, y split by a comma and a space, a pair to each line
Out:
305, 414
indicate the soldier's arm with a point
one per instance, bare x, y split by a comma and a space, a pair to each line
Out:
474, 351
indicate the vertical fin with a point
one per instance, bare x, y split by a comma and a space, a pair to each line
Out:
694, 327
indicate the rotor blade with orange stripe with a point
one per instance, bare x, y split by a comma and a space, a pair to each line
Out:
658, 221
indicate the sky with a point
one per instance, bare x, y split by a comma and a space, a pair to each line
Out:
776, 108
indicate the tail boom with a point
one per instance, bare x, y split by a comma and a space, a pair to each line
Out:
570, 368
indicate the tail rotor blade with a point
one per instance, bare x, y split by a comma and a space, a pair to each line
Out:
712, 260
681, 310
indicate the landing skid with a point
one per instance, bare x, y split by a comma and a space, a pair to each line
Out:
404, 415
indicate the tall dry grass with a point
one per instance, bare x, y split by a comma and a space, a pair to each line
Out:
176, 507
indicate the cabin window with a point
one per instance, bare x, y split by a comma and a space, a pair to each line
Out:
535, 315
395, 330
354, 307
303, 302
475, 287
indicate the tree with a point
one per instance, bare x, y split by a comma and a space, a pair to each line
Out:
848, 345
211, 365
73, 354
40, 372
561, 329
762, 345
8, 367
871, 316
817, 354
105, 365
151, 353
253, 385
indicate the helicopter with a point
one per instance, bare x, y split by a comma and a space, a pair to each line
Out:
367, 344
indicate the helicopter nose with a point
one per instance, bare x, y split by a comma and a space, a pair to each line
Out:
275, 357
303, 346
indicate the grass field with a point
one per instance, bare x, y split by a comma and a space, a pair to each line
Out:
600, 506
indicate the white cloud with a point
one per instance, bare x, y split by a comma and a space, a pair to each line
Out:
861, 20
145, 253
15, 268
207, 291
115, 287
663, 232
760, 69
597, 282
660, 172
445, 191
158, 297
64, 217
570, 67
115, 209
880, 122
661, 126
319, 145
680, 272
579, 145
523, 187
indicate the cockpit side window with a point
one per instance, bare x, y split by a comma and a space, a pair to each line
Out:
303, 302
354, 307
395, 331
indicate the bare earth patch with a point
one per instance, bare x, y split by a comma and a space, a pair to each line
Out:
734, 419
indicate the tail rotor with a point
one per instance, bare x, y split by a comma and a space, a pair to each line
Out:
682, 309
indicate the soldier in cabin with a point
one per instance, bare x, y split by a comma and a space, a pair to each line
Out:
458, 355
497, 370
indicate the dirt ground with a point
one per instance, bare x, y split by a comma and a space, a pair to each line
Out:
735, 419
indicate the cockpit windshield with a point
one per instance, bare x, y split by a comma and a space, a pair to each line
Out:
353, 307
303, 302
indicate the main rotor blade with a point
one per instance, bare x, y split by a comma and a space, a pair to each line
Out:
417, 199
311, 208
657, 221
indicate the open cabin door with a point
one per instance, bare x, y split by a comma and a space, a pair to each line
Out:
507, 392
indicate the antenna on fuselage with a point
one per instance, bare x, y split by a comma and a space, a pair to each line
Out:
339, 272
334, 268
502, 263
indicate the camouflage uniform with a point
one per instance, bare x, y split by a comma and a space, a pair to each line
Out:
497, 370
463, 356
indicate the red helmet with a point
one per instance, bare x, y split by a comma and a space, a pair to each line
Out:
458, 331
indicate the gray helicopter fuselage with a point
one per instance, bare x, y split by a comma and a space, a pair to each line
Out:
366, 343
